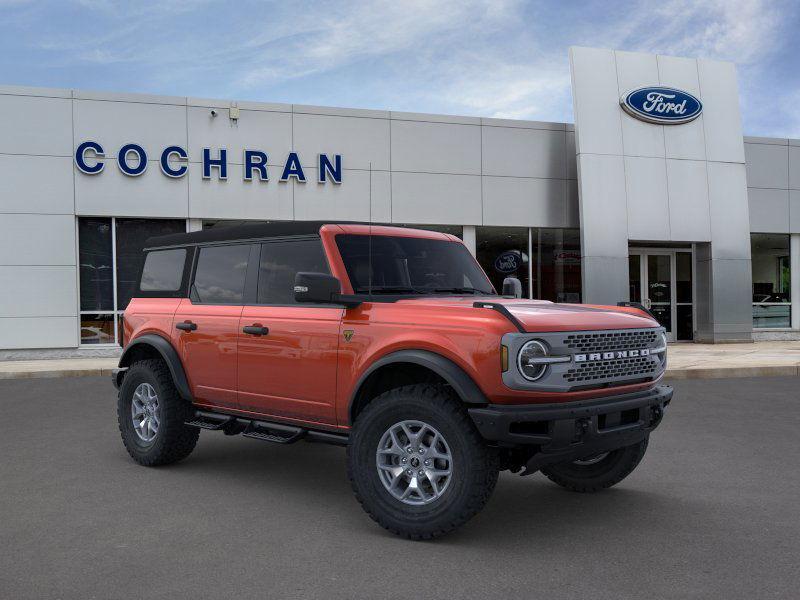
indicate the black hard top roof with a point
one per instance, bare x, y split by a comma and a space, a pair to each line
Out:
247, 231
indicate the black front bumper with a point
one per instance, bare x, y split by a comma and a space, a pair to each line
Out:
568, 431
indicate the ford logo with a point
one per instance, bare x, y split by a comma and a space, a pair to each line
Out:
663, 105
507, 262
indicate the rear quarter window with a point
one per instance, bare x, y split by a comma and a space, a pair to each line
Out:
163, 270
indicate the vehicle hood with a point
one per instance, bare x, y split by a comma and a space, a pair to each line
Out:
541, 315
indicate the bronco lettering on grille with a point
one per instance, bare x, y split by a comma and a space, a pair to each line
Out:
594, 356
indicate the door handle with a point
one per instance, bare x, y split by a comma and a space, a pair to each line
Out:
186, 326
255, 329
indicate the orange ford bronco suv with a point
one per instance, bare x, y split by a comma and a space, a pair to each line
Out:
391, 342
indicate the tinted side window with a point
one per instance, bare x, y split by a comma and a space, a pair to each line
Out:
281, 261
163, 270
219, 277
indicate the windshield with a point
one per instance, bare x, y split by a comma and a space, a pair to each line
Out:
408, 265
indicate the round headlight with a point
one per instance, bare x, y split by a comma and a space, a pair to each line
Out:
664, 345
528, 360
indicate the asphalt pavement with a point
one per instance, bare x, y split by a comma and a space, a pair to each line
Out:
713, 511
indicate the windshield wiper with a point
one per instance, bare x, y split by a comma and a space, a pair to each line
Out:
389, 289
405, 289
461, 290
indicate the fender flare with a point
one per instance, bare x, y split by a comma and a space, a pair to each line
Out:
462, 384
170, 356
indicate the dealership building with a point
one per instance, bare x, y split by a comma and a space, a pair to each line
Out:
653, 195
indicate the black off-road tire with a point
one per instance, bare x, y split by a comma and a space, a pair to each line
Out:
174, 440
612, 469
474, 466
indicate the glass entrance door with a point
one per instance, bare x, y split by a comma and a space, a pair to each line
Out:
658, 296
662, 281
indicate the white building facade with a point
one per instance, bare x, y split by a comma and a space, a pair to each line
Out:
694, 220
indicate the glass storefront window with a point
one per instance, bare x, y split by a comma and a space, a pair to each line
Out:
557, 264
97, 328
771, 280
96, 264
504, 252
546, 261
110, 252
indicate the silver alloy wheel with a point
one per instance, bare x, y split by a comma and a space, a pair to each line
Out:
590, 460
145, 412
414, 462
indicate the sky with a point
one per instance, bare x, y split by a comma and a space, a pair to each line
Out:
499, 58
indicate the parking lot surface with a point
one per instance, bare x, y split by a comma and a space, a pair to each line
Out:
712, 512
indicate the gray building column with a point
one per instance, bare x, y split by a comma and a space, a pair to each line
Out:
667, 184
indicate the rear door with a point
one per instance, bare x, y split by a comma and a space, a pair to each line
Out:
206, 324
288, 351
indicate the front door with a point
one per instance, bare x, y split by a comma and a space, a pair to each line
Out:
661, 280
287, 351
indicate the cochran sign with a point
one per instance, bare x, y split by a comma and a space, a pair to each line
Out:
132, 161
663, 105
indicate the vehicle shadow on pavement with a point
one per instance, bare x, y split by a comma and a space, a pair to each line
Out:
307, 475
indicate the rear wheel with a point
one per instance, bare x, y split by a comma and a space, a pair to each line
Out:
417, 464
597, 472
151, 415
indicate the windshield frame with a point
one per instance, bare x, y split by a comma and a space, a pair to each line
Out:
401, 292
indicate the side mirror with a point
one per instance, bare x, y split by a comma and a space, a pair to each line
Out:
512, 287
321, 288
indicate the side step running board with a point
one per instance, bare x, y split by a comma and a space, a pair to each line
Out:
273, 432
278, 433
209, 420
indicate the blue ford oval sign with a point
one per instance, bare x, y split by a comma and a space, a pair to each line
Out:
507, 262
663, 105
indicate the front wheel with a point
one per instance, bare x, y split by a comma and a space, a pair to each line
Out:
417, 464
597, 472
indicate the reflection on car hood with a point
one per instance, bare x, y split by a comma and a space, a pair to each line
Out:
541, 315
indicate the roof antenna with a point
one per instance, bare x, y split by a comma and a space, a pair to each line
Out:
369, 243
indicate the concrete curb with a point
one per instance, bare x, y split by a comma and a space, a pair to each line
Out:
55, 373
733, 372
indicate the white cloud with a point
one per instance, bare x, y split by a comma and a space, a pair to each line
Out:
504, 58
484, 58
362, 30
744, 31
738, 30
533, 91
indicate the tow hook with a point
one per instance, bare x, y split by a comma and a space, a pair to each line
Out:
656, 414
581, 427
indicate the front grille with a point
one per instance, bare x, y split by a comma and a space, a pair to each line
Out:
613, 340
614, 369
592, 359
